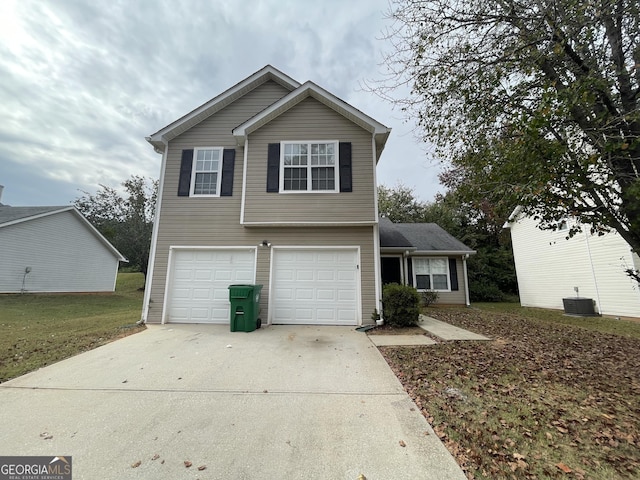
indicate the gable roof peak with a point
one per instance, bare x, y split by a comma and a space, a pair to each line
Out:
310, 89
268, 72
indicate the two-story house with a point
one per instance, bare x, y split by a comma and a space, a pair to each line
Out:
272, 182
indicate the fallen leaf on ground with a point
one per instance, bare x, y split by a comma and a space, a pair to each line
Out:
563, 467
137, 464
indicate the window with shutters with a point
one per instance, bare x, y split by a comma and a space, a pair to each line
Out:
431, 274
309, 166
206, 171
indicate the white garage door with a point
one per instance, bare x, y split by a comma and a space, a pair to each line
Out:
315, 286
198, 291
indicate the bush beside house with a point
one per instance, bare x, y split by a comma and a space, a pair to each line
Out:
400, 305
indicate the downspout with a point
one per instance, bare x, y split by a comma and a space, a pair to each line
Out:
466, 279
154, 238
376, 235
378, 283
593, 272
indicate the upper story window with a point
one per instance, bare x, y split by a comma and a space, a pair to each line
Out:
207, 175
431, 273
309, 167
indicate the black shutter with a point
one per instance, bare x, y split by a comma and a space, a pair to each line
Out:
345, 167
184, 183
453, 274
410, 271
228, 162
273, 168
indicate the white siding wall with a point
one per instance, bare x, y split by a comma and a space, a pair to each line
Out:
549, 266
63, 254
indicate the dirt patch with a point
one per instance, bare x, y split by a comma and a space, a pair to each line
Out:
542, 400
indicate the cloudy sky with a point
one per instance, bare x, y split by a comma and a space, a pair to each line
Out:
83, 82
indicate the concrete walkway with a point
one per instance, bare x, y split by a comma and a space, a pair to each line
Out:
435, 327
446, 331
283, 402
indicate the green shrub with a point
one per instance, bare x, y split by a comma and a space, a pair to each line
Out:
485, 292
400, 305
428, 297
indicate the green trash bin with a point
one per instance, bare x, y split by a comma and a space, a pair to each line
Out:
245, 307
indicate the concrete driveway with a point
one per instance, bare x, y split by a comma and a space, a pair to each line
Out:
283, 402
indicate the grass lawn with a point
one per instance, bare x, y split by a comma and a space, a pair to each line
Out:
550, 397
37, 330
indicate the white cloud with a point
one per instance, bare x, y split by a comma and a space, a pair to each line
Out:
84, 82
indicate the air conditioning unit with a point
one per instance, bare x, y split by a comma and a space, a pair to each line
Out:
579, 306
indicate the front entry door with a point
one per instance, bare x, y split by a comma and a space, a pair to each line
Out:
391, 271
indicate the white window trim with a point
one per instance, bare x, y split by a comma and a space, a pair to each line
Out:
309, 166
193, 172
415, 281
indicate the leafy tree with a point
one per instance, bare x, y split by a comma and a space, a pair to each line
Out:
399, 204
533, 103
125, 219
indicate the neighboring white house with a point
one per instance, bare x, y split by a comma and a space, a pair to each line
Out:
549, 267
54, 249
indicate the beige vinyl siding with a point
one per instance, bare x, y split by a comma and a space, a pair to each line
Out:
215, 221
455, 297
205, 231
310, 120
215, 132
549, 266
64, 256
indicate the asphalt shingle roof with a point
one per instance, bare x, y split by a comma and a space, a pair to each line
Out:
425, 237
391, 236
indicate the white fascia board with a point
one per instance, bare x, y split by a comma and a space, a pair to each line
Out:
309, 224
39, 215
167, 133
418, 253
310, 89
511, 218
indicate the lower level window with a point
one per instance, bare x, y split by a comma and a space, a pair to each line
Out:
431, 273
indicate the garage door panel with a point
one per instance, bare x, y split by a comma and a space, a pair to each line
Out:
329, 257
244, 277
198, 290
325, 315
315, 286
221, 293
345, 315
304, 293
201, 294
304, 275
284, 294
346, 296
323, 294
326, 276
